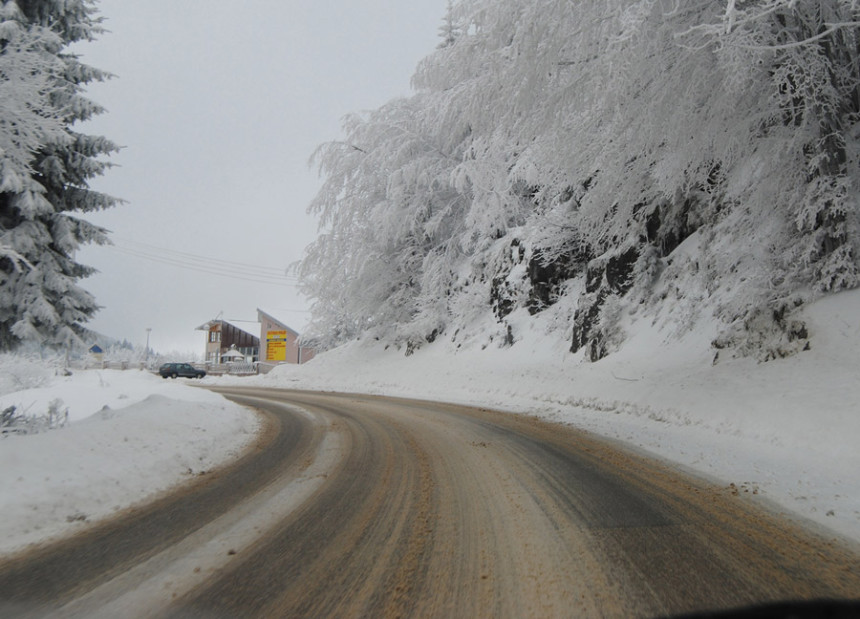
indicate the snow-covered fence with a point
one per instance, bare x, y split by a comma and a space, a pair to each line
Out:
241, 368
123, 365
95, 364
236, 369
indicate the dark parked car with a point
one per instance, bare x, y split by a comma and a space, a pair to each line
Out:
186, 370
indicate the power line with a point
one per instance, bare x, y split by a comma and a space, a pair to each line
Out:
203, 264
212, 269
206, 260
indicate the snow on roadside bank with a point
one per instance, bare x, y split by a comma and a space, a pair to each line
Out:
787, 430
132, 435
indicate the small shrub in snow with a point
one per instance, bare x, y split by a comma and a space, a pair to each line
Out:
8, 417
14, 422
766, 335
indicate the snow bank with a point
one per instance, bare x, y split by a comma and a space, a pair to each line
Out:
132, 435
786, 430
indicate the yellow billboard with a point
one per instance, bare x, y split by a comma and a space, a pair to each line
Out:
276, 345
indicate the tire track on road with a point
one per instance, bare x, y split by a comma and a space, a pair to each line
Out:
436, 510
56, 573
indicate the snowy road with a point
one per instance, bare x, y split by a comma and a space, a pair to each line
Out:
364, 506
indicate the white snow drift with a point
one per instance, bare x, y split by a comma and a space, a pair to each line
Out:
132, 435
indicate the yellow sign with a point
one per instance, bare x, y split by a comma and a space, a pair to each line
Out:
276, 346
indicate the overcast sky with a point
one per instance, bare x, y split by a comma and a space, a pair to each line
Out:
218, 106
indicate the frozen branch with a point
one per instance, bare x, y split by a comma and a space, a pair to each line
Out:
831, 28
15, 258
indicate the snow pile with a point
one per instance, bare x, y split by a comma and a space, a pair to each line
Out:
132, 435
787, 429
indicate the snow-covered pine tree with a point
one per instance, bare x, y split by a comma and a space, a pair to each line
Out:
26, 73
449, 30
40, 299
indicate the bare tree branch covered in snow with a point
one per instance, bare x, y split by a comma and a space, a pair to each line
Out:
573, 149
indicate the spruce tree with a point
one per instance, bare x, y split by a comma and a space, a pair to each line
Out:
40, 299
449, 31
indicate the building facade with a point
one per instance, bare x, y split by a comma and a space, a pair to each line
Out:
221, 336
279, 343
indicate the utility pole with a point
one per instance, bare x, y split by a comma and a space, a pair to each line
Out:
146, 358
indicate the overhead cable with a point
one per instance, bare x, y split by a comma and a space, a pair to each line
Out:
203, 264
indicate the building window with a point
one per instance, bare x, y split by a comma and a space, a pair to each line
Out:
214, 336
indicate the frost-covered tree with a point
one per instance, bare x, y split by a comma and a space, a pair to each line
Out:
449, 30
27, 71
583, 143
45, 170
388, 213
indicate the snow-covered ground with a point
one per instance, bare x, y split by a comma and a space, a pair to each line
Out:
130, 436
786, 430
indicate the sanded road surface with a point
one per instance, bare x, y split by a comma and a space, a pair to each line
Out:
357, 506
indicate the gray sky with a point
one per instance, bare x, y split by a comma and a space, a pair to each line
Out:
218, 106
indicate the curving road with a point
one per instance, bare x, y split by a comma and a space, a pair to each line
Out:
358, 506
